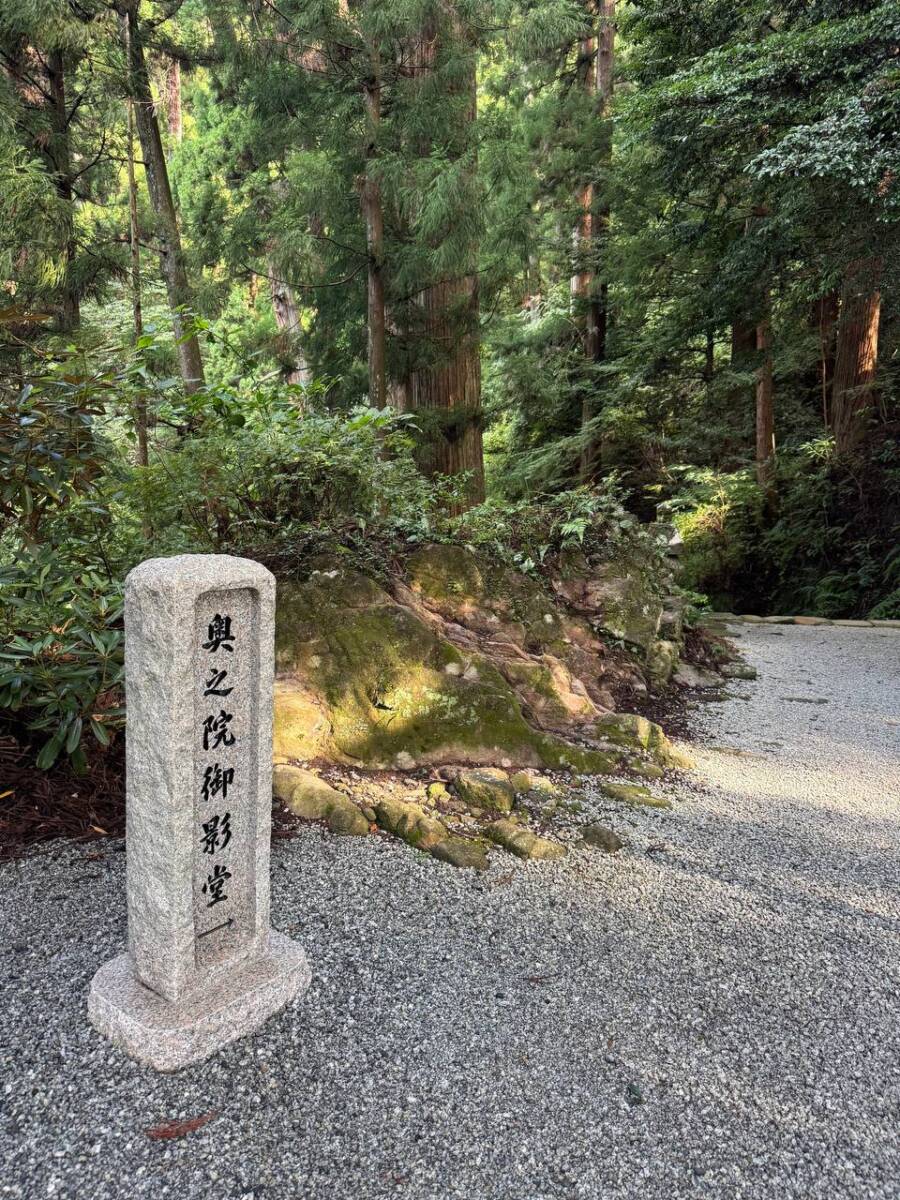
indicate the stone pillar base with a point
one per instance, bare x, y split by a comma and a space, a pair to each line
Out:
169, 1035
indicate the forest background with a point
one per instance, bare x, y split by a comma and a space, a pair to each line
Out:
280, 275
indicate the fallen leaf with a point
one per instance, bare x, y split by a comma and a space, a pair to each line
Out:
97, 829
3, 795
179, 1128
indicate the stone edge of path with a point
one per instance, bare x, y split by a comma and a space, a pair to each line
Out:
752, 619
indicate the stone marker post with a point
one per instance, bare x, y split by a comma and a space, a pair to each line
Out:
203, 966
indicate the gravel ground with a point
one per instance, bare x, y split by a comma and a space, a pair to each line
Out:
711, 1013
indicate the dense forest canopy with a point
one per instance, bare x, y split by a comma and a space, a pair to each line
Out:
281, 272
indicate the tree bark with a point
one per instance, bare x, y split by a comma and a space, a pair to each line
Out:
597, 56
373, 214
140, 410
765, 410
173, 100
824, 317
61, 156
856, 355
171, 255
287, 318
448, 385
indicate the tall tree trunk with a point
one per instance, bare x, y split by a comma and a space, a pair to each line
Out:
173, 100
61, 155
824, 318
856, 355
598, 59
171, 255
765, 408
287, 318
373, 214
448, 384
140, 413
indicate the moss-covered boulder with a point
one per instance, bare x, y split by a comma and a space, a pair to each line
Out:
631, 729
632, 793
384, 689
462, 852
488, 788
309, 797
661, 660
522, 842
410, 822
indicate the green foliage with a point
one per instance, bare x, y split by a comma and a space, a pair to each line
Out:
530, 534
62, 662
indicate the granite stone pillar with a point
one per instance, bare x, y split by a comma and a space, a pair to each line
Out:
203, 966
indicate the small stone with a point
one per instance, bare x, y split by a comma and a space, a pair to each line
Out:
487, 787
522, 842
437, 791
525, 781
632, 793
738, 670
369, 813
461, 852
405, 761
689, 675
811, 621
602, 838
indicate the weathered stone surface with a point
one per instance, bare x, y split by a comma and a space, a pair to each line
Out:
168, 1035
554, 698
410, 822
631, 729
304, 793
602, 838
689, 675
662, 659
738, 670
345, 818
526, 781
437, 791
199, 665
522, 842
462, 852
631, 793
301, 726
486, 788
811, 621
381, 673
671, 623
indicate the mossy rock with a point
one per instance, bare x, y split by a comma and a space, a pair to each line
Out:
522, 842
488, 788
467, 587
632, 793
410, 822
395, 692
661, 661
602, 838
631, 729
462, 852
345, 818
525, 781
300, 727
305, 794
309, 797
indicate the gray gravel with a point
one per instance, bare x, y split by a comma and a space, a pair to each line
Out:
711, 1013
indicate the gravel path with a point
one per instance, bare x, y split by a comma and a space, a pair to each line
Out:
711, 1013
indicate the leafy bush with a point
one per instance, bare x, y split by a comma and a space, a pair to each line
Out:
62, 661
